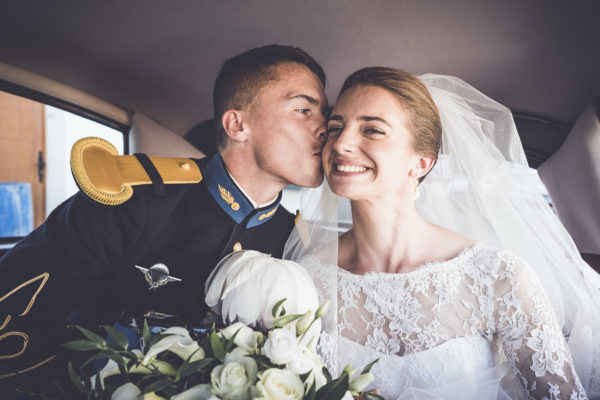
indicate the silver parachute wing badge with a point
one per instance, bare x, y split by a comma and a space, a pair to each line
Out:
157, 275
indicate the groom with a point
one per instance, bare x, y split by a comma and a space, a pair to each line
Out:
90, 263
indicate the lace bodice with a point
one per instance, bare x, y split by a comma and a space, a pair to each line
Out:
483, 294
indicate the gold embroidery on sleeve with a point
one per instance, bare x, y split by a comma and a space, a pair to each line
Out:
27, 369
18, 353
44, 278
5, 322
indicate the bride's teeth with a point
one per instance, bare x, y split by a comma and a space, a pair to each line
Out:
350, 168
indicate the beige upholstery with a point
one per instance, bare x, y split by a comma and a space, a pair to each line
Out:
572, 176
149, 137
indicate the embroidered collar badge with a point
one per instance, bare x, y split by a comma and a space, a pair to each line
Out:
157, 275
231, 199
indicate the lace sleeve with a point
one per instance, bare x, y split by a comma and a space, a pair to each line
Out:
531, 337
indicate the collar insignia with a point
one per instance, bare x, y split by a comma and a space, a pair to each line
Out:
231, 199
267, 214
157, 275
225, 195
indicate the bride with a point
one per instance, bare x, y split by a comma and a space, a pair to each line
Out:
425, 285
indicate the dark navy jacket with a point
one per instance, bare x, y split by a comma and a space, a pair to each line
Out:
79, 266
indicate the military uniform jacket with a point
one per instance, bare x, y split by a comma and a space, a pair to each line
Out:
80, 265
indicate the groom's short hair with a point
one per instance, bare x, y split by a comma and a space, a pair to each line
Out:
242, 77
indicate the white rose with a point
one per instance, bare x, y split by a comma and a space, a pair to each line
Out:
240, 356
282, 345
198, 392
230, 382
178, 342
245, 338
279, 384
305, 361
308, 361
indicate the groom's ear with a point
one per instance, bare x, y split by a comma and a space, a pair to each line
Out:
422, 166
235, 125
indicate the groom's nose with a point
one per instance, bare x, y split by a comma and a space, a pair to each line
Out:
321, 131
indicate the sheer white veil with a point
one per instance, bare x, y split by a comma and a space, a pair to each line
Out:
482, 187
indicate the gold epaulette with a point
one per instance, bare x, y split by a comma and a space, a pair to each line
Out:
106, 177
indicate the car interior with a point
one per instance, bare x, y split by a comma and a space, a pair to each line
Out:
140, 74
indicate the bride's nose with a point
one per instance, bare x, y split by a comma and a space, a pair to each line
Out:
344, 142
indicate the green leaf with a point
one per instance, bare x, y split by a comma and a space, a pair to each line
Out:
97, 356
312, 392
97, 383
230, 342
334, 390
160, 384
146, 334
276, 308
193, 367
304, 376
82, 345
114, 347
368, 367
129, 355
118, 336
262, 361
76, 380
327, 374
155, 339
91, 335
217, 346
283, 321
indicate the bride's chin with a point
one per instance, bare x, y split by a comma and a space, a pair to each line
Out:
342, 190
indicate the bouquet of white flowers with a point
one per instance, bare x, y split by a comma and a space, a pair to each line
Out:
264, 352
235, 363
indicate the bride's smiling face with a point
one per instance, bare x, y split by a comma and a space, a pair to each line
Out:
369, 149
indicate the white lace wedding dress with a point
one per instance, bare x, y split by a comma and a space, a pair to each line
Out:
478, 326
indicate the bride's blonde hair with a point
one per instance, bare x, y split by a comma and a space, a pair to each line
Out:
414, 96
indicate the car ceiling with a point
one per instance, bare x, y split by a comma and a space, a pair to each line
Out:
540, 58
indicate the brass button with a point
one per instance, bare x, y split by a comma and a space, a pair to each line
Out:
185, 166
237, 246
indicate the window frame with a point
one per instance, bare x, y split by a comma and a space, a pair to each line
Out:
18, 90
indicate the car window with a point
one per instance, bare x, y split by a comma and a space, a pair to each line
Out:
35, 145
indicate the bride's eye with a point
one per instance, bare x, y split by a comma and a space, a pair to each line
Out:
373, 131
334, 130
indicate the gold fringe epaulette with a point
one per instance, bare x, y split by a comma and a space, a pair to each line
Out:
106, 177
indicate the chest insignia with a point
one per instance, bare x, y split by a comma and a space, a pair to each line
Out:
157, 275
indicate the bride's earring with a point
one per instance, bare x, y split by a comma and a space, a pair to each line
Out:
416, 193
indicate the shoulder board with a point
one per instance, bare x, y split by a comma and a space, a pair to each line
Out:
106, 177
